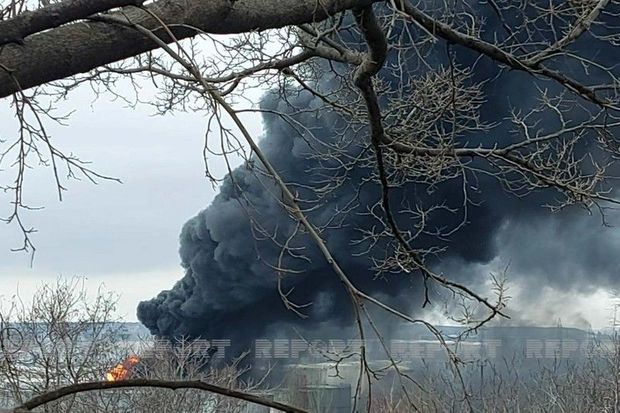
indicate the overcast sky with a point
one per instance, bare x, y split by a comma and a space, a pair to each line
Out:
123, 235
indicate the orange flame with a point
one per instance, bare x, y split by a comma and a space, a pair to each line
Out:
122, 371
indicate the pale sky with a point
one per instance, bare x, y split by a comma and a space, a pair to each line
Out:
122, 235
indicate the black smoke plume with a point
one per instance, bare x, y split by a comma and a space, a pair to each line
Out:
230, 289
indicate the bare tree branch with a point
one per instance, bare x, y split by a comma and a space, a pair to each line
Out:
490, 50
80, 47
15, 30
164, 384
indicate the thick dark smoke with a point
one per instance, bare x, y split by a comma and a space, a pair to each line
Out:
229, 289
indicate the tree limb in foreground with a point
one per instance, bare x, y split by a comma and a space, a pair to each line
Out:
82, 46
164, 384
